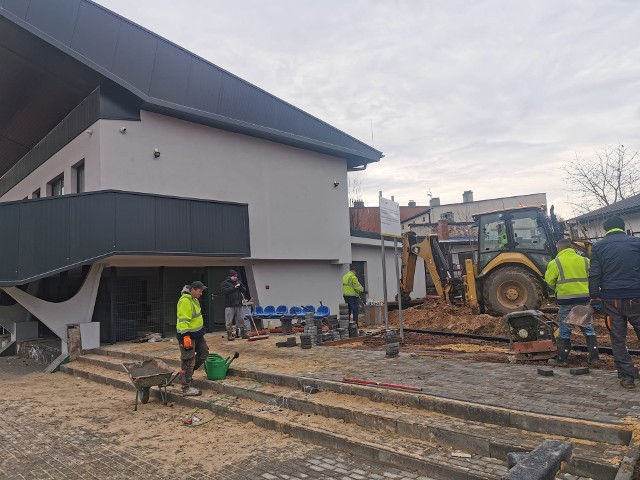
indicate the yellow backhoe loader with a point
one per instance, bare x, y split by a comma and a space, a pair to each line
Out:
507, 272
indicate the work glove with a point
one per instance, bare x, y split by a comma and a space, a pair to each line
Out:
596, 304
186, 342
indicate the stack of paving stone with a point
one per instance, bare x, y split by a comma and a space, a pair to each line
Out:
319, 331
393, 343
343, 318
353, 329
332, 322
311, 328
344, 333
287, 327
305, 341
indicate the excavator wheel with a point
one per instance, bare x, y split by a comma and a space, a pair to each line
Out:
508, 289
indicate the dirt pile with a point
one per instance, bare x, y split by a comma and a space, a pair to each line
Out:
436, 315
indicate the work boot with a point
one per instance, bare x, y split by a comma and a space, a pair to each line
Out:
189, 391
230, 336
244, 333
592, 347
628, 382
564, 347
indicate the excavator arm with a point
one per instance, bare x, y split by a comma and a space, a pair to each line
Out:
429, 250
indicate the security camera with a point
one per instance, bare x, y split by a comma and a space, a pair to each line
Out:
156, 153
335, 184
88, 131
123, 129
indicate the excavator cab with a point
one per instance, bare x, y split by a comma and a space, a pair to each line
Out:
514, 248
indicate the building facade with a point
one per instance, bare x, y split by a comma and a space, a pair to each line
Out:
130, 167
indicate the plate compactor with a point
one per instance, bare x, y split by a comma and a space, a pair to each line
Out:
532, 335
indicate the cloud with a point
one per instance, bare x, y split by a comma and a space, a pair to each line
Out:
489, 96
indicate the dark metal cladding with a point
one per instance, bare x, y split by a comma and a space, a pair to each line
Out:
44, 236
107, 101
54, 53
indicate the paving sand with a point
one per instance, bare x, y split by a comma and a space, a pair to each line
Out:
155, 431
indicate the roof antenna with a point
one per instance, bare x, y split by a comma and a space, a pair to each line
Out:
372, 144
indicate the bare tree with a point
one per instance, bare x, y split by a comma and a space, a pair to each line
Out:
355, 201
612, 175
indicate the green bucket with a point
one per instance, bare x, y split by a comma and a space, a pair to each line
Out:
216, 367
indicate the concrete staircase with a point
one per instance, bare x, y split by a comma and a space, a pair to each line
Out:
440, 438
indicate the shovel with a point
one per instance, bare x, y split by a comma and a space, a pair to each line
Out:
580, 315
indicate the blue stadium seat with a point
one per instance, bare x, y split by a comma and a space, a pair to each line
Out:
281, 311
322, 312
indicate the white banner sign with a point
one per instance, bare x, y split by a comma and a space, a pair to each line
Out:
390, 218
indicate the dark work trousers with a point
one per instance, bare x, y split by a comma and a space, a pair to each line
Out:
353, 303
620, 312
193, 359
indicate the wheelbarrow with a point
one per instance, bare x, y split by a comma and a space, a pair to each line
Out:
145, 374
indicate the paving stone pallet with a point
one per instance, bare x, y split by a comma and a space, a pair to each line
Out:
396, 428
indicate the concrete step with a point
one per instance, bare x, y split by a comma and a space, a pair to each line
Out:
427, 457
599, 460
615, 434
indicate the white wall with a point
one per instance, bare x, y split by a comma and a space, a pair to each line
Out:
84, 146
368, 250
294, 210
296, 283
595, 228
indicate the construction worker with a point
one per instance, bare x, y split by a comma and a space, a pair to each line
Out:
614, 286
233, 290
190, 333
568, 275
351, 289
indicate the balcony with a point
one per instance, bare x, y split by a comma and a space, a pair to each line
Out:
41, 237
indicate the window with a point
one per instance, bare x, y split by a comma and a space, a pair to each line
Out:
493, 232
36, 194
527, 232
79, 174
56, 186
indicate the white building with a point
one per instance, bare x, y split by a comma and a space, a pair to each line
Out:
462, 213
591, 224
131, 166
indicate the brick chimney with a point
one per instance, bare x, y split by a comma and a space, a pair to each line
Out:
443, 230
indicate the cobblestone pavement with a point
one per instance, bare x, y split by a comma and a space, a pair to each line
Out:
51, 446
596, 396
31, 451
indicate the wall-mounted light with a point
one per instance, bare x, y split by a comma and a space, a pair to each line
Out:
156, 153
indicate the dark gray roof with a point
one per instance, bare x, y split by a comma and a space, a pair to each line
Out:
628, 205
54, 53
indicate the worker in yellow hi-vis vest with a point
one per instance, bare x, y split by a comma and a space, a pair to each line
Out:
190, 333
351, 289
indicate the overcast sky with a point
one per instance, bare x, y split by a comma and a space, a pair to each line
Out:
490, 96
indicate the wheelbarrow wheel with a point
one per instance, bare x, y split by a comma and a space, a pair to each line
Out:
144, 394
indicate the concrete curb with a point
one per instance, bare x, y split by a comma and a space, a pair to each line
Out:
486, 445
310, 434
630, 460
